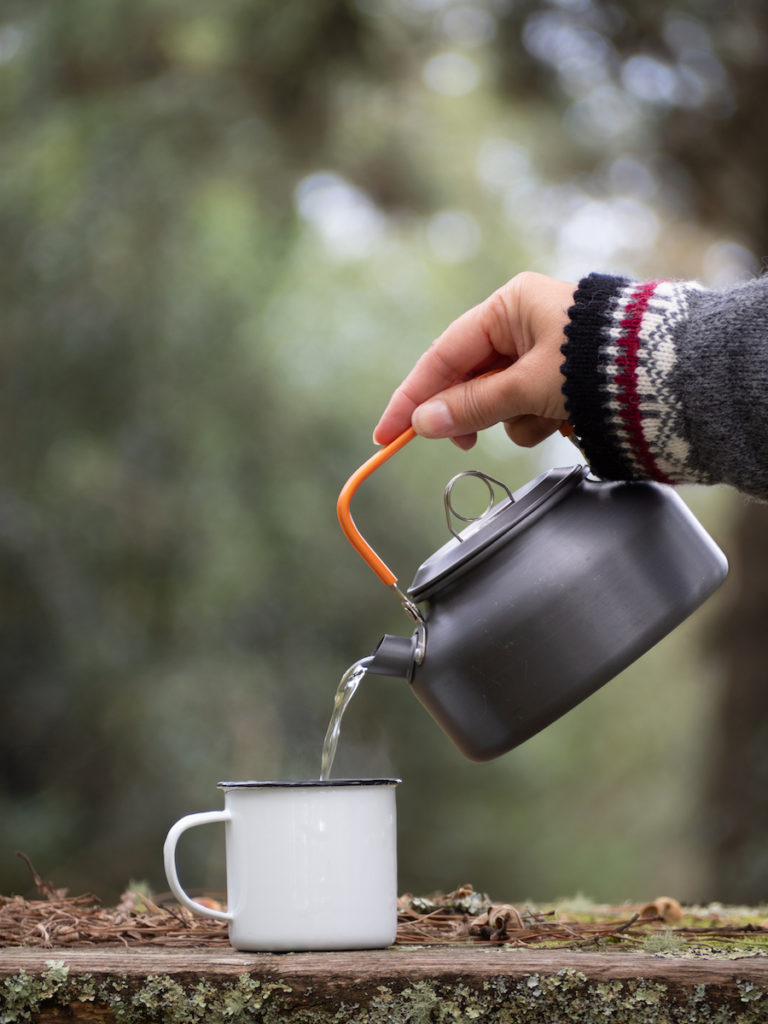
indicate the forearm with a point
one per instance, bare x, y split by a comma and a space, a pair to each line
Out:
669, 381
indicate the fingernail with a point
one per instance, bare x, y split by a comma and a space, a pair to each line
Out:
433, 419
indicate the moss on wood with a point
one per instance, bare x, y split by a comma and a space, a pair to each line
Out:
567, 994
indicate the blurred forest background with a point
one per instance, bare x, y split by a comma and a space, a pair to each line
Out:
229, 230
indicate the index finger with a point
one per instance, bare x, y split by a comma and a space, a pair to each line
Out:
462, 351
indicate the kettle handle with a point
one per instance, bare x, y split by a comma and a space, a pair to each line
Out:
351, 532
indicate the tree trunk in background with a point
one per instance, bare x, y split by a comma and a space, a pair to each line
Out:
726, 160
720, 146
736, 801
736, 795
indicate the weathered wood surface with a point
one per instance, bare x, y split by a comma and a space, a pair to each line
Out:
403, 984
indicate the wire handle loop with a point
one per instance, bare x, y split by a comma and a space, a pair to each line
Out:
450, 510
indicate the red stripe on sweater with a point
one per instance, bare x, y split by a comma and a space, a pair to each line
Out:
626, 378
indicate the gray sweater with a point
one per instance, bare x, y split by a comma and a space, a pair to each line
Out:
669, 381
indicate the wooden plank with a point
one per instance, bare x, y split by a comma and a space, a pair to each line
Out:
440, 983
408, 961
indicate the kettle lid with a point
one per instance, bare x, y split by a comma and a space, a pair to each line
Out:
517, 511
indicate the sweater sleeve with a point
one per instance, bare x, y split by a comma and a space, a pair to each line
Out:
668, 381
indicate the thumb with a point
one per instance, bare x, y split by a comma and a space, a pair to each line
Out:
466, 408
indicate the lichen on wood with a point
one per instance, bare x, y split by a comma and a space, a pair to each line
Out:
158, 998
437, 985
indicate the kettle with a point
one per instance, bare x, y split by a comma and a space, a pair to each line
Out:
541, 600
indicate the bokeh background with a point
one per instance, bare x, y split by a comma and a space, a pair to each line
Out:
229, 229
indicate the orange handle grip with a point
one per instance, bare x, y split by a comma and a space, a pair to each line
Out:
349, 489
351, 531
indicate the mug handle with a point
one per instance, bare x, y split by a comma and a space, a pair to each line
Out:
169, 858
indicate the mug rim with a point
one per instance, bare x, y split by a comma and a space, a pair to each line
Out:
304, 783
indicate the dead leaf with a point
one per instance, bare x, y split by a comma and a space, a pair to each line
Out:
207, 901
665, 907
502, 917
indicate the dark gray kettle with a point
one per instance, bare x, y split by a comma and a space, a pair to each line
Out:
537, 603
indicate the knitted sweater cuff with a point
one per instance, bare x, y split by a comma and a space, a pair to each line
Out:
619, 361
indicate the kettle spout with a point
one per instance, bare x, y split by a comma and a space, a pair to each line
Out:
396, 656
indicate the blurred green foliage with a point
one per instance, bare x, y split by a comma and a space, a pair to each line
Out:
229, 230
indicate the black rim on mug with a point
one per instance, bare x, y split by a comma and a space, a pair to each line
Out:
306, 783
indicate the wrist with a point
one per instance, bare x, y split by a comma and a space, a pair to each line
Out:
619, 370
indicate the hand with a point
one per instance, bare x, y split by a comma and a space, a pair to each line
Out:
518, 332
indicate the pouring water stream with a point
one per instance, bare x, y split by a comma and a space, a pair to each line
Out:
344, 693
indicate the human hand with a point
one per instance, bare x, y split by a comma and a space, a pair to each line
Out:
517, 332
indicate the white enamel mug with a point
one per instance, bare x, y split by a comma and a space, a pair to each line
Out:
310, 865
